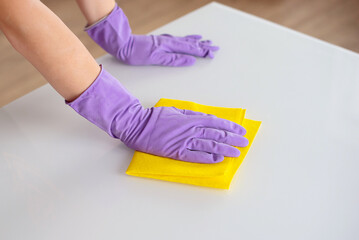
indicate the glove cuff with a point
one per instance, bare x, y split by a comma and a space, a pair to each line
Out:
112, 32
108, 105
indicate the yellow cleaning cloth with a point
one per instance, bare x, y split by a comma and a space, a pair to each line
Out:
217, 175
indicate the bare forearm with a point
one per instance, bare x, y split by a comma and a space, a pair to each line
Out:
44, 40
94, 10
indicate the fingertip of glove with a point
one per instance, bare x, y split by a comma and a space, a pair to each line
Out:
208, 53
234, 153
246, 142
217, 158
242, 142
184, 61
242, 131
214, 48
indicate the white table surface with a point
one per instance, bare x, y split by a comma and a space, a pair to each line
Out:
63, 178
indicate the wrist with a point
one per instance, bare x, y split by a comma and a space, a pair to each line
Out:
112, 33
108, 105
94, 20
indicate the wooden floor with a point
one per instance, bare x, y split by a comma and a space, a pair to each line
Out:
335, 21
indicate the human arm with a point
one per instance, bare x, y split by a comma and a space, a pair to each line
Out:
94, 10
95, 94
108, 26
45, 41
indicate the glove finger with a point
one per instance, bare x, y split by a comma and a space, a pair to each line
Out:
190, 38
211, 146
189, 45
206, 42
211, 48
174, 60
186, 47
222, 136
166, 35
201, 157
223, 124
194, 49
189, 112
194, 36
209, 54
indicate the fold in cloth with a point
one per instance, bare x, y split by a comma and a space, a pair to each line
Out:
217, 175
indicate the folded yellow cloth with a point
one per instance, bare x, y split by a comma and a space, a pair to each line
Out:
217, 175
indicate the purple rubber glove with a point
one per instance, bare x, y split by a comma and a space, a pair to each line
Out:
164, 131
113, 34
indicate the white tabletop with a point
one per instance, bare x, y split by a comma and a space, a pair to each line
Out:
63, 178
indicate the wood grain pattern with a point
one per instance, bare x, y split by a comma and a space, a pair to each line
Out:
335, 21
